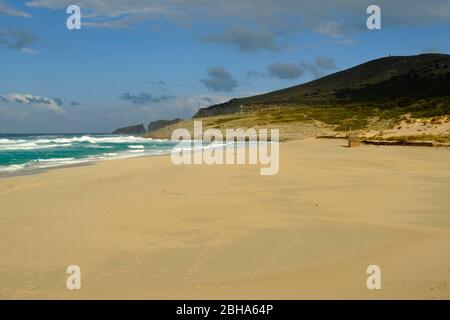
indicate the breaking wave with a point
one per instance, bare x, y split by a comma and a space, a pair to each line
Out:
25, 152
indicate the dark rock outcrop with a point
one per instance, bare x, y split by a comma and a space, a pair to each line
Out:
228, 107
155, 125
137, 129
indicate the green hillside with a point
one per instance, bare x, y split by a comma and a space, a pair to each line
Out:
373, 98
418, 85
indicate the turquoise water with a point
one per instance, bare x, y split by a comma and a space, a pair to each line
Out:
37, 151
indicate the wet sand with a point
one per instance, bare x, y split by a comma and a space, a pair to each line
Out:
147, 229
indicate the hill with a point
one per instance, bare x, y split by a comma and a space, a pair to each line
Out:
391, 96
388, 82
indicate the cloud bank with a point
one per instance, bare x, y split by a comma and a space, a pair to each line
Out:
322, 16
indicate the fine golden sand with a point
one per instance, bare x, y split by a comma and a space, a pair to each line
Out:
145, 228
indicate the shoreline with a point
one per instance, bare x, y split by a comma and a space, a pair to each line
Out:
34, 171
378, 143
29, 172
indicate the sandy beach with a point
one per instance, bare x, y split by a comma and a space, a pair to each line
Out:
145, 228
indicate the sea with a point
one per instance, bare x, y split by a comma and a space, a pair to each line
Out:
25, 152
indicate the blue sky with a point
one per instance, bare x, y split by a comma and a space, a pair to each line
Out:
135, 61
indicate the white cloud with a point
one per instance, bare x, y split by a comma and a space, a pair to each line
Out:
28, 51
43, 103
7, 10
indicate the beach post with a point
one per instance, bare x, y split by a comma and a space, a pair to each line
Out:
353, 141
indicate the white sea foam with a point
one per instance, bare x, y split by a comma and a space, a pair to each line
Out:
42, 143
12, 168
31, 146
42, 164
13, 148
104, 139
55, 160
9, 141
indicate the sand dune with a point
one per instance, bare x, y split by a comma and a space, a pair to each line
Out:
145, 228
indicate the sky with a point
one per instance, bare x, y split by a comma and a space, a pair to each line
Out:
135, 61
